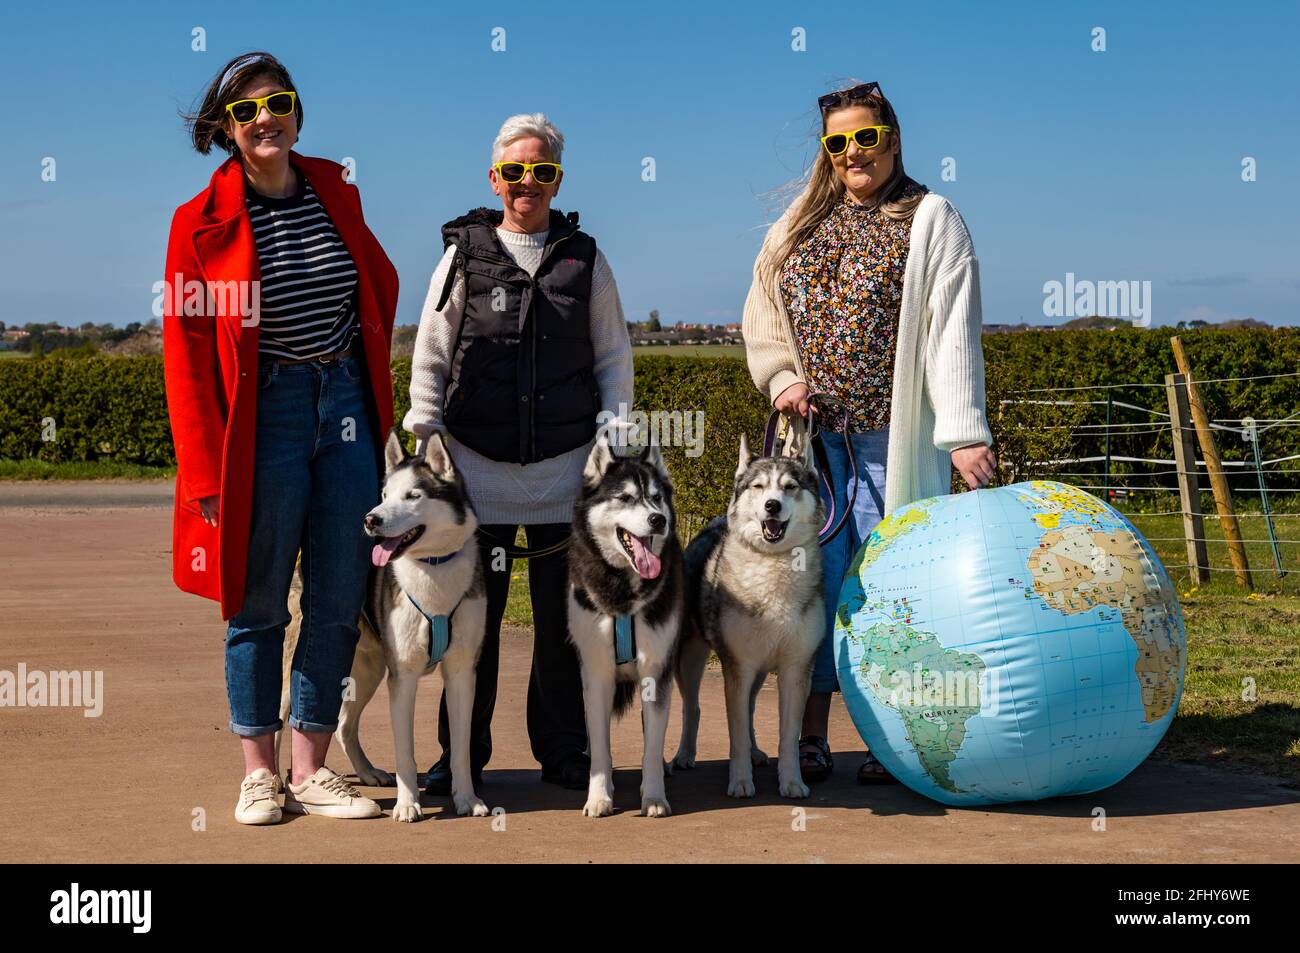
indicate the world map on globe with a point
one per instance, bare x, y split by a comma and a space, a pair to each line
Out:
1008, 644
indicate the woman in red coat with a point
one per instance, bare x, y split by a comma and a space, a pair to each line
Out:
278, 317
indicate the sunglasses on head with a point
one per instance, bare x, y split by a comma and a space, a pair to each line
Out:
244, 111
868, 137
512, 173
841, 96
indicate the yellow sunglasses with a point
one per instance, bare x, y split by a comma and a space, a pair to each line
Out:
512, 173
868, 137
244, 111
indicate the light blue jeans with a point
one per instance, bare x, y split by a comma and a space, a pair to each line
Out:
315, 476
870, 450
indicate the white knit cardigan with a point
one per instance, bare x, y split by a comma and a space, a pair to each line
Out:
937, 403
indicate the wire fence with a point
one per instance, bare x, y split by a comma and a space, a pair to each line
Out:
1135, 468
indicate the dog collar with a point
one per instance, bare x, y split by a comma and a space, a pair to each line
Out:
438, 560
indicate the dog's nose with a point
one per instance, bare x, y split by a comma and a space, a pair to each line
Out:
772, 506
657, 521
373, 521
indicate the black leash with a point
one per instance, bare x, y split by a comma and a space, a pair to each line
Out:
515, 552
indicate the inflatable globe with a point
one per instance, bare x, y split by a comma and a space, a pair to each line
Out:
1009, 644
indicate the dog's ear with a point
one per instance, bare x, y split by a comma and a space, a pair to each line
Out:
599, 460
438, 457
745, 459
394, 452
654, 456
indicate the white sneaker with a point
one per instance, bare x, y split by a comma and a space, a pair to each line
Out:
257, 803
328, 794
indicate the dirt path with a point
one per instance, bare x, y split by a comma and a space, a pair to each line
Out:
85, 585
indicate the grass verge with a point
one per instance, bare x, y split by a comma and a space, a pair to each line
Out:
81, 470
1241, 699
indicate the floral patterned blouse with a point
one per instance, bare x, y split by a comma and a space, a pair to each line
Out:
843, 289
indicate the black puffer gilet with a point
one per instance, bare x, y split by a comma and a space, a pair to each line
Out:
522, 386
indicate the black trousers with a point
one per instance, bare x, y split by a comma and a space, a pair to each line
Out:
556, 721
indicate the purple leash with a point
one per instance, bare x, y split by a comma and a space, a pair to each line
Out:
832, 527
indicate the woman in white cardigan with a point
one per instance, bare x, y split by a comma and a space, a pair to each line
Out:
867, 291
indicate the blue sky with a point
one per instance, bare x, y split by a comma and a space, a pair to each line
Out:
1120, 165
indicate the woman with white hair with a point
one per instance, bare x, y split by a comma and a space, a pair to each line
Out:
522, 345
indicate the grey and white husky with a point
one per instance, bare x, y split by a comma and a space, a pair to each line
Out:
425, 558
754, 593
625, 560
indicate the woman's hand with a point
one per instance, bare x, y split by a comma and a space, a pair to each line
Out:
975, 463
210, 506
793, 401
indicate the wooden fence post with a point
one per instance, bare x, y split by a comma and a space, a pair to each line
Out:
1218, 482
1189, 484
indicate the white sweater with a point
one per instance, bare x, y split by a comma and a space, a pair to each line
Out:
541, 492
937, 404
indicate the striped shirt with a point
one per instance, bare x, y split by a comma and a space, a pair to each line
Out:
308, 278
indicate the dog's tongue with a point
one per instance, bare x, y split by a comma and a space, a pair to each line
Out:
383, 550
647, 563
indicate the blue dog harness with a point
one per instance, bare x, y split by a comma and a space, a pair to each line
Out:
439, 632
624, 639
439, 625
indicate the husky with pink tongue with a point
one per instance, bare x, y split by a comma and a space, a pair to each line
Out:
626, 603
426, 573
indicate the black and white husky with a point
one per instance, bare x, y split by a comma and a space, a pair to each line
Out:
425, 566
625, 575
754, 593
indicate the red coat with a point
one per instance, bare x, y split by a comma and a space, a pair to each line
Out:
210, 363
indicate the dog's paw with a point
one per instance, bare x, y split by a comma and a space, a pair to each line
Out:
598, 807
794, 787
757, 757
375, 778
655, 807
741, 787
407, 813
682, 759
471, 805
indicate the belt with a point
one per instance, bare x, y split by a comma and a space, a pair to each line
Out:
321, 359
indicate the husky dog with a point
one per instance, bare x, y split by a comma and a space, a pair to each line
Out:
625, 560
425, 558
754, 594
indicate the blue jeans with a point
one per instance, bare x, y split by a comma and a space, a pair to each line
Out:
870, 450
315, 476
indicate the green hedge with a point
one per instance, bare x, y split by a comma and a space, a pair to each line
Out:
114, 408
102, 408
1017, 362
720, 388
